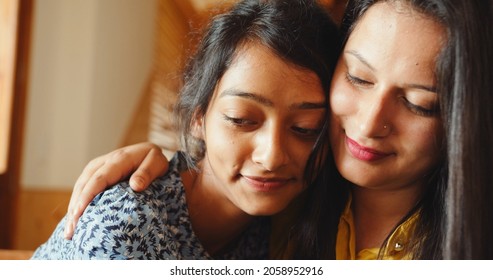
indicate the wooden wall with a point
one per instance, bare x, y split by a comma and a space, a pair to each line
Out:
39, 212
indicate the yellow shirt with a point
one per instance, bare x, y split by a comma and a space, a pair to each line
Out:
395, 249
346, 237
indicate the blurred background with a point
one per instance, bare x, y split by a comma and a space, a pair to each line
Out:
78, 79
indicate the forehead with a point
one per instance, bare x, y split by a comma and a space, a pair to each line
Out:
396, 35
258, 69
255, 55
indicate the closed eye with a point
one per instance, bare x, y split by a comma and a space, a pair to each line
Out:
306, 132
238, 121
356, 81
421, 111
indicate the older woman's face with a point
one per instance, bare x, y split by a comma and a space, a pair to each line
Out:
385, 129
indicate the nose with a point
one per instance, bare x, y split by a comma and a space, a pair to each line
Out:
375, 115
270, 149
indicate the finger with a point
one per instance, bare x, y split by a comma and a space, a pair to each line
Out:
111, 172
88, 171
99, 181
89, 184
100, 173
153, 166
86, 174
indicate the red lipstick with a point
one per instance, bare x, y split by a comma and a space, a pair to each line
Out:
362, 152
266, 184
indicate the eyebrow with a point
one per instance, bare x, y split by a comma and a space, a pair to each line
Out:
365, 62
361, 58
267, 102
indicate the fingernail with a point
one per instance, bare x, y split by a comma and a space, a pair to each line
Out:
135, 184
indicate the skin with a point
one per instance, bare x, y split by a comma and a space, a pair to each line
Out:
382, 98
383, 119
259, 129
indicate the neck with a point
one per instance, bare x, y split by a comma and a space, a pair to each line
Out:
377, 212
215, 220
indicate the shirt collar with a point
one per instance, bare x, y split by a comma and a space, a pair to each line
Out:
396, 244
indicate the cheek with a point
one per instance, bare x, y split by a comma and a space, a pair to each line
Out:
434, 145
223, 140
219, 140
226, 143
342, 99
425, 142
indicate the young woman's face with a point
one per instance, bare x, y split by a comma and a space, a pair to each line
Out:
385, 130
259, 130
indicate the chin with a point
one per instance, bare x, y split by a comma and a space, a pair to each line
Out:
358, 178
264, 211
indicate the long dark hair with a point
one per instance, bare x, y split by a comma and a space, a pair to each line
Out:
455, 215
298, 31
466, 76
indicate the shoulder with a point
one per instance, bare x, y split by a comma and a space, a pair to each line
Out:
167, 189
123, 224
56, 247
113, 223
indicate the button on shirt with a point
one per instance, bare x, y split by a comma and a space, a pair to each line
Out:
346, 240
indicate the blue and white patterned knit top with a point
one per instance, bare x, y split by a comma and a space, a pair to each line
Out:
154, 224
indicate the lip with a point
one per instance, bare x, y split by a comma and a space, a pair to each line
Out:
264, 184
364, 153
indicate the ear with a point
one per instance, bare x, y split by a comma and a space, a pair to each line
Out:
198, 126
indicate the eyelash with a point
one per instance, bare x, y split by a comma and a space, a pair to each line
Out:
355, 80
303, 132
238, 121
418, 110
307, 133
